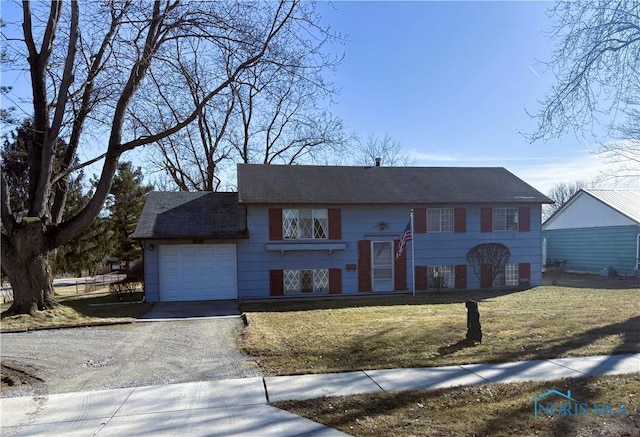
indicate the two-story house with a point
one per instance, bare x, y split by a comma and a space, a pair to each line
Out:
308, 230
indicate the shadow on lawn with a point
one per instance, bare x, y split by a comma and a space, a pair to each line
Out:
108, 305
455, 347
628, 329
429, 412
371, 300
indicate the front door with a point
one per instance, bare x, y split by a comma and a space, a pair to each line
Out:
382, 265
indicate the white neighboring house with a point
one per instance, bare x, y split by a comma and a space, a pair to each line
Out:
596, 229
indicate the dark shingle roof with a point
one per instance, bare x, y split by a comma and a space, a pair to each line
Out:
382, 185
191, 215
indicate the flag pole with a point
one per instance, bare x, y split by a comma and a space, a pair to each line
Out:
413, 245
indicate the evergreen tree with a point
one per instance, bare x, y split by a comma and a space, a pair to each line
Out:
125, 205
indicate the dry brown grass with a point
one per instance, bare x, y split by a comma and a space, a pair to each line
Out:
427, 330
485, 410
80, 310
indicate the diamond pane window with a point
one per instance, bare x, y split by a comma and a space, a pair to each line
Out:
305, 224
309, 281
321, 281
320, 223
291, 281
289, 223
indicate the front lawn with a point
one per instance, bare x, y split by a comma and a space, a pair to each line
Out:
318, 336
80, 309
483, 410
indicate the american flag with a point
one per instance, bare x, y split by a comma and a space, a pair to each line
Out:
406, 236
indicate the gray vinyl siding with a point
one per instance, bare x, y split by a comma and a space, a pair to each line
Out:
593, 249
360, 223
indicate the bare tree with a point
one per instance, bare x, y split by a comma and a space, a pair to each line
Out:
488, 260
272, 113
596, 62
92, 67
359, 151
561, 192
390, 152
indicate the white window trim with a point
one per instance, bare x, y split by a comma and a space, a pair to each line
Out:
504, 211
440, 220
447, 271
317, 275
510, 277
316, 214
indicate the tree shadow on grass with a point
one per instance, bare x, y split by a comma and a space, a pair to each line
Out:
628, 329
109, 305
482, 410
308, 303
455, 347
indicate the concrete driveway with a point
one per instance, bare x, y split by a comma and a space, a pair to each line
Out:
188, 345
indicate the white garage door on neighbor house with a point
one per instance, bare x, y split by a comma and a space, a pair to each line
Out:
198, 272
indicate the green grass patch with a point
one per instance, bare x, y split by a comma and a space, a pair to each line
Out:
483, 410
318, 336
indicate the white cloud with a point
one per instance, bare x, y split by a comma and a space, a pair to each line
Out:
540, 172
544, 175
429, 159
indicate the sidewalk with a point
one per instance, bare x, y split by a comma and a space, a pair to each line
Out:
238, 407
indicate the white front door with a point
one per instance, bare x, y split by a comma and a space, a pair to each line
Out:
382, 265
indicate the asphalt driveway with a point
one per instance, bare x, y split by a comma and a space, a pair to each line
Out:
144, 353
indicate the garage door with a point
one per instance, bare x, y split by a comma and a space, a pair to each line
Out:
198, 272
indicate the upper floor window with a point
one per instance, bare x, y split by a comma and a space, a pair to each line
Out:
440, 220
505, 219
305, 224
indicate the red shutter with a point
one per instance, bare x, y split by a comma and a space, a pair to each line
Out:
400, 267
524, 219
486, 220
461, 276
421, 277
335, 281
485, 276
276, 282
420, 220
275, 224
524, 274
364, 265
460, 220
335, 224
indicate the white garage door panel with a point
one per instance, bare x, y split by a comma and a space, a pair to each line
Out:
198, 272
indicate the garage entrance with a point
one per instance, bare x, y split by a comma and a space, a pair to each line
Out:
198, 272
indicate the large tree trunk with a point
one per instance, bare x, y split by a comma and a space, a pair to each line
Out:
28, 267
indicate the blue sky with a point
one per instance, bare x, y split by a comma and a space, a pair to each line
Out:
450, 81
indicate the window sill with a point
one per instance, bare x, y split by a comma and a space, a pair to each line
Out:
305, 247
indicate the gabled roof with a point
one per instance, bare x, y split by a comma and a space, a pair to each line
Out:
624, 200
303, 184
191, 215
